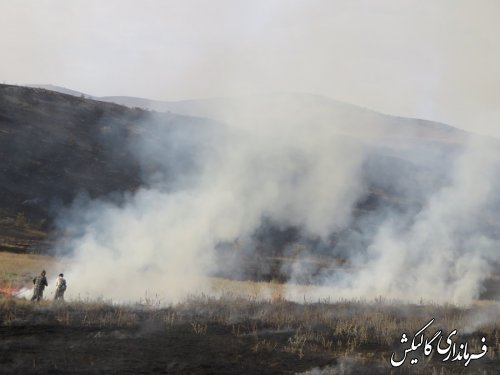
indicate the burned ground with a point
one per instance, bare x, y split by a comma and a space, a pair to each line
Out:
230, 335
177, 350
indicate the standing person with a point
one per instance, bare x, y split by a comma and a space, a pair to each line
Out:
40, 284
60, 287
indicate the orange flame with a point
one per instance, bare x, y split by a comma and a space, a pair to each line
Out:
277, 295
9, 291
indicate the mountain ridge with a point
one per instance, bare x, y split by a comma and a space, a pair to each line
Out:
196, 107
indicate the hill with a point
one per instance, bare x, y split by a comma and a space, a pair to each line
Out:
58, 145
54, 147
327, 109
59, 150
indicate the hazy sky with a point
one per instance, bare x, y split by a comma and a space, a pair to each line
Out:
433, 59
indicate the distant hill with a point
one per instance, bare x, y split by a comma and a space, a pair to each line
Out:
327, 109
61, 90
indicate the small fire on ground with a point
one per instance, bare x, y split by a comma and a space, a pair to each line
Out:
9, 290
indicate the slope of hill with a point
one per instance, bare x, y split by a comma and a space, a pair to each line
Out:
61, 90
54, 147
327, 109
56, 144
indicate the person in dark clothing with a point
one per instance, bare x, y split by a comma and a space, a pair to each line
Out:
40, 283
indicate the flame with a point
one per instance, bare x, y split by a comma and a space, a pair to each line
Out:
9, 290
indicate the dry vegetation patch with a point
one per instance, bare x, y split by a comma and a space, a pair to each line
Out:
298, 337
244, 327
17, 270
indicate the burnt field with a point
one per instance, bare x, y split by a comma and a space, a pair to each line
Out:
237, 327
230, 334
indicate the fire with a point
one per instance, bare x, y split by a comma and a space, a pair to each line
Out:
9, 291
277, 295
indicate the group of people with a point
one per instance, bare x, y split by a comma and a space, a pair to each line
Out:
40, 283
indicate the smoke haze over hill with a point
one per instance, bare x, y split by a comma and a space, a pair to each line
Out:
259, 185
282, 163
436, 60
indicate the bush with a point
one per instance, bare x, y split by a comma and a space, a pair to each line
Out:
21, 221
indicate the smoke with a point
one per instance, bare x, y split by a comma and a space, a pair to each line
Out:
443, 253
349, 365
441, 63
440, 251
285, 176
208, 187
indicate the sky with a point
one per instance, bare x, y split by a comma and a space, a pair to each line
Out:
431, 59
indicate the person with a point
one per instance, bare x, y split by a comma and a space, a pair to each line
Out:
60, 287
40, 284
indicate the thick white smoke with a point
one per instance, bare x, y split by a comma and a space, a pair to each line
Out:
441, 253
297, 165
162, 240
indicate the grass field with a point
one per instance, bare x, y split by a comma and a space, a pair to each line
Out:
233, 332
18, 270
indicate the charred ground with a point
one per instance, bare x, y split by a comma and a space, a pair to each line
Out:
230, 335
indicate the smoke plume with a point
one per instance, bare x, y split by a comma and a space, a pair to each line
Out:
359, 204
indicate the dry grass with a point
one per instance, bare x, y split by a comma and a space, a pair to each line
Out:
371, 331
343, 329
19, 269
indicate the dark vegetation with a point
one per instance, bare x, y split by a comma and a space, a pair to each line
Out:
53, 147
56, 147
231, 335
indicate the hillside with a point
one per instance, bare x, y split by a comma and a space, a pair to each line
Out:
325, 108
59, 150
54, 147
